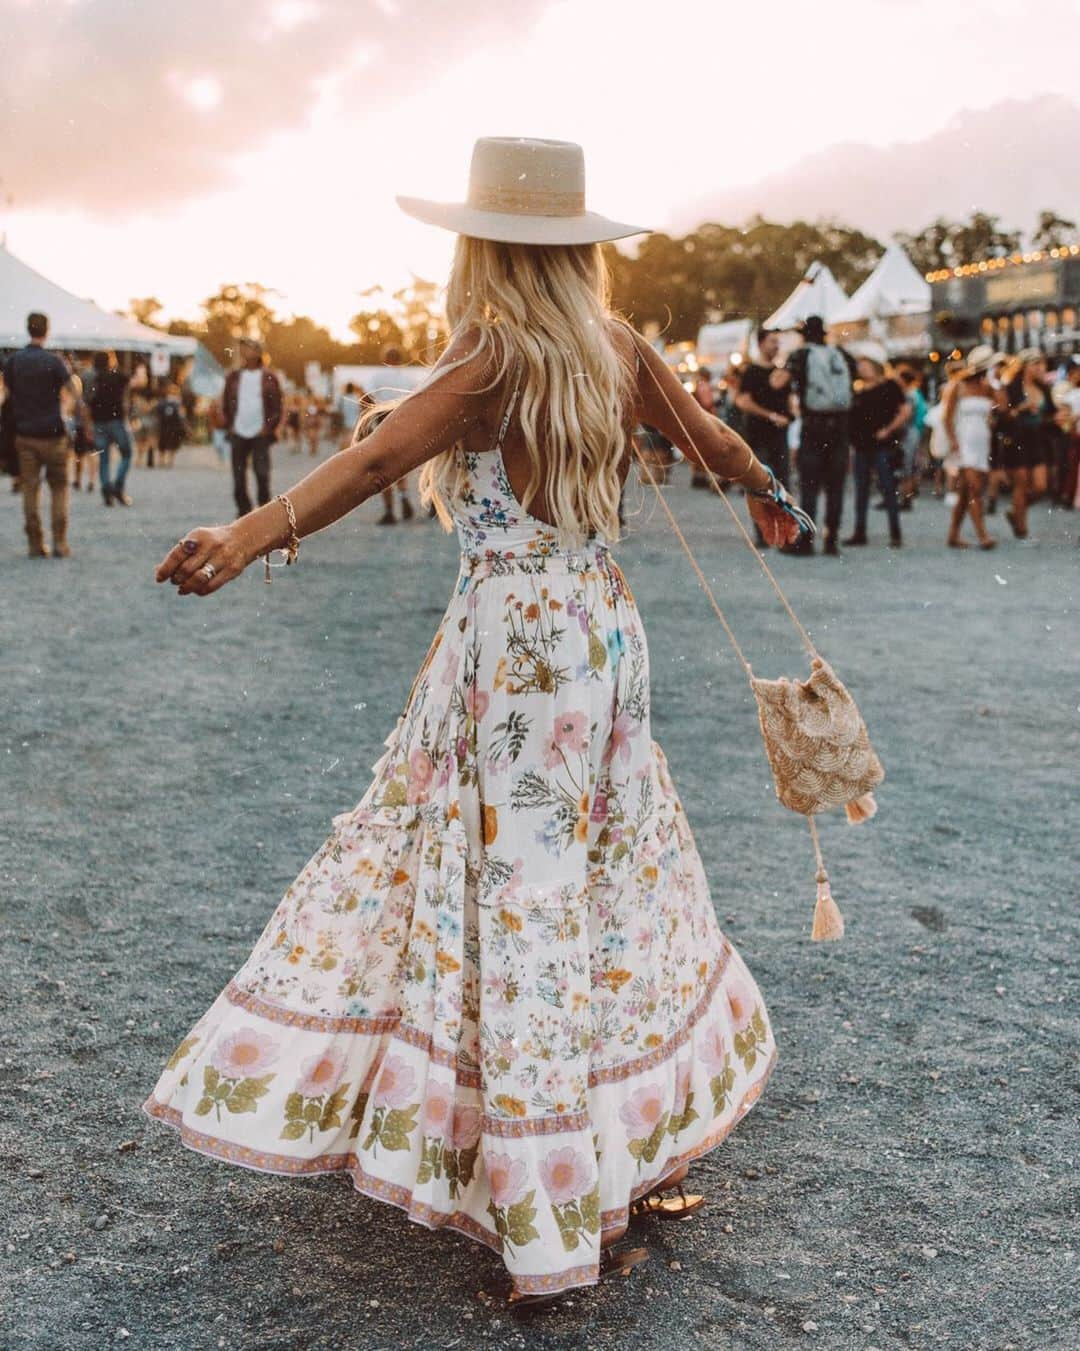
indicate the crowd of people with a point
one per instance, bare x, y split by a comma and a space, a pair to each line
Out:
996, 425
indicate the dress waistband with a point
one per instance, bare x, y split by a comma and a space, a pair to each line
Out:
594, 557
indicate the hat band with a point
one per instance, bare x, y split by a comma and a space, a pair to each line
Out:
527, 202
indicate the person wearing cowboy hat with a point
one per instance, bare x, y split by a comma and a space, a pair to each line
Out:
968, 417
253, 406
474, 1024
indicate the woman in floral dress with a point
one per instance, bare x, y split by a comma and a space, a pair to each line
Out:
498, 996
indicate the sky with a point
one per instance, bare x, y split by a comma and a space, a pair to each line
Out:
156, 148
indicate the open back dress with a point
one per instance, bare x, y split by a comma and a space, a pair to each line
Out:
497, 996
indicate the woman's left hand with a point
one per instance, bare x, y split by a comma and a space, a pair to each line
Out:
204, 560
776, 525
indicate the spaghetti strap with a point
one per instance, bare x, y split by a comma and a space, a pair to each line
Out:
508, 411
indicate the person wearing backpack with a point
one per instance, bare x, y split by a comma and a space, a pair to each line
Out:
821, 377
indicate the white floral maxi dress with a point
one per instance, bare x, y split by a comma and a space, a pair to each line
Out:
497, 996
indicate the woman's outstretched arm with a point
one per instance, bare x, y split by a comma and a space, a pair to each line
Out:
710, 440
428, 422
664, 404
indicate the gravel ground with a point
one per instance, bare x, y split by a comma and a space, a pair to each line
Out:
908, 1179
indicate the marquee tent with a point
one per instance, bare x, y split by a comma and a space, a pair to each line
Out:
894, 287
74, 325
818, 293
892, 307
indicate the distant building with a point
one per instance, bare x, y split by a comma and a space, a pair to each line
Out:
1025, 300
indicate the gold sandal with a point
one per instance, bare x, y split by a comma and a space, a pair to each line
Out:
662, 1207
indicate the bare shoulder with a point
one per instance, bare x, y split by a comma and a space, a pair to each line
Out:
625, 340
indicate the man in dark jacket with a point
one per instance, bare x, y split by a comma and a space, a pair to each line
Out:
821, 378
33, 379
253, 406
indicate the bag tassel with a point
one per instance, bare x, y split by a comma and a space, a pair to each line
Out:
828, 921
828, 924
861, 809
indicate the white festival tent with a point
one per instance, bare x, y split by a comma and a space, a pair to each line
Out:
818, 293
75, 325
894, 287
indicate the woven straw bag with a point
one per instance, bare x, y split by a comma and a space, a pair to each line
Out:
817, 743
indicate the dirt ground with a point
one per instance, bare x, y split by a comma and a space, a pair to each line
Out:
908, 1180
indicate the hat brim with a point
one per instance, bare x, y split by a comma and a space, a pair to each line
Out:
508, 228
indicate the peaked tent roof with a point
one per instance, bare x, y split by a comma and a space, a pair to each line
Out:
818, 293
894, 287
74, 324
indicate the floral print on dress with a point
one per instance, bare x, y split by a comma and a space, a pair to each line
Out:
497, 995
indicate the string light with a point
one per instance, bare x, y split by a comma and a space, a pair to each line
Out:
988, 264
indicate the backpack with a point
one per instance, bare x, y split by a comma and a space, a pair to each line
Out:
827, 385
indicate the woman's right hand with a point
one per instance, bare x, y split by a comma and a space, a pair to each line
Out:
204, 560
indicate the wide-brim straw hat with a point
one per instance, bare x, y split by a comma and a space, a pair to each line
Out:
979, 362
523, 191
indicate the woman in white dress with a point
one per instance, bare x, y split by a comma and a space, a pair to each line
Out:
967, 416
498, 996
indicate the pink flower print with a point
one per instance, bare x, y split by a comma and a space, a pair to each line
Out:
421, 772
571, 732
552, 754
741, 1005
622, 729
508, 1179
396, 1085
642, 1110
599, 808
438, 1109
565, 1175
466, 1128
712, 1049
244, 1053
682, 1088
477, 701
322, 1073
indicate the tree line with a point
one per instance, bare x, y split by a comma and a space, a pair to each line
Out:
675, 283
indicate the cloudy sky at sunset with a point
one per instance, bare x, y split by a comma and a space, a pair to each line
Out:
163, 148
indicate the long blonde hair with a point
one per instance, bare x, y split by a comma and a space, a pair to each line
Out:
543, 311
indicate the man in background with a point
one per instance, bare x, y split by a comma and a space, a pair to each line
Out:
764, 398
253, 406
822, 378
34, 379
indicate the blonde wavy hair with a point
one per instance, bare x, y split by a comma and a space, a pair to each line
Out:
543, 310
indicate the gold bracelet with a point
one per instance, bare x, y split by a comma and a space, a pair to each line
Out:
292, 544
291, 547
749, 465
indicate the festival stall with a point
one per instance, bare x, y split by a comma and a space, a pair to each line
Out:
891, 307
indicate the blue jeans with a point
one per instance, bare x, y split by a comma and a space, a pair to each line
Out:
115, 432
882, 460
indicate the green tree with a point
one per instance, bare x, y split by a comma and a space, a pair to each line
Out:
418, 313
236, 311
1052, 231
720, 271
292, 343
375, 330
944, 243
146, 310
